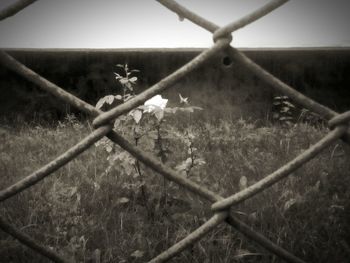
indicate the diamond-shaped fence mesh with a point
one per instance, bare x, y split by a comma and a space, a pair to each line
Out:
338, 123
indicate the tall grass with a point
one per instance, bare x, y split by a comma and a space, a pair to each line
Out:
87, 213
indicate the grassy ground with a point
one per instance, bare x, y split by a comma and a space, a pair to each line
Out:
85, 211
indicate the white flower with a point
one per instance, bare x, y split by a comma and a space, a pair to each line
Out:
155, 103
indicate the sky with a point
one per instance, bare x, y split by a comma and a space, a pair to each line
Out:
147, 24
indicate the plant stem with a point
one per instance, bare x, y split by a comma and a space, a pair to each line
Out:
143, 186
163, 160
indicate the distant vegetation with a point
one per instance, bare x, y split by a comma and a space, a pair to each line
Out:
323, 74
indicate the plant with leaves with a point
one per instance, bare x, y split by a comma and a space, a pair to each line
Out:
128, 82
148, 128
193, 156
283, 110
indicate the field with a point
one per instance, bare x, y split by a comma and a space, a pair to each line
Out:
86, 211
105, 206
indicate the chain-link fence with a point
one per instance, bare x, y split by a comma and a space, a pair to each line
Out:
338, 123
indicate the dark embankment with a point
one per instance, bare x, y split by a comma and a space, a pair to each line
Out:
227, 91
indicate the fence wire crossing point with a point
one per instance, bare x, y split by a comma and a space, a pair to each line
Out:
339, 124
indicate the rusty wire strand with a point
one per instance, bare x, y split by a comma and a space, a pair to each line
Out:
248, 19
30, 242
340, 119
14, 8
212, 27
183, 12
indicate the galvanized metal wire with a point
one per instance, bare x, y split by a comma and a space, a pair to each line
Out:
339, 124
14, 8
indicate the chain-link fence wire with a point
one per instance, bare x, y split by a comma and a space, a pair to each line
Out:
338, 123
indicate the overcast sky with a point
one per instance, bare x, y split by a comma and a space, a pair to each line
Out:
146, 23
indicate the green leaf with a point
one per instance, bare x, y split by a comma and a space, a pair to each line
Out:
137, 115
123, 81
100, 103
133, 79
109, 99
159, 113
117, 76
285, 109
288, 104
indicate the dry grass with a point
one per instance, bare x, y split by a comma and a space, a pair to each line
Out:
79, 210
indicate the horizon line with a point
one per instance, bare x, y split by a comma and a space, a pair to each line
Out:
171, 48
